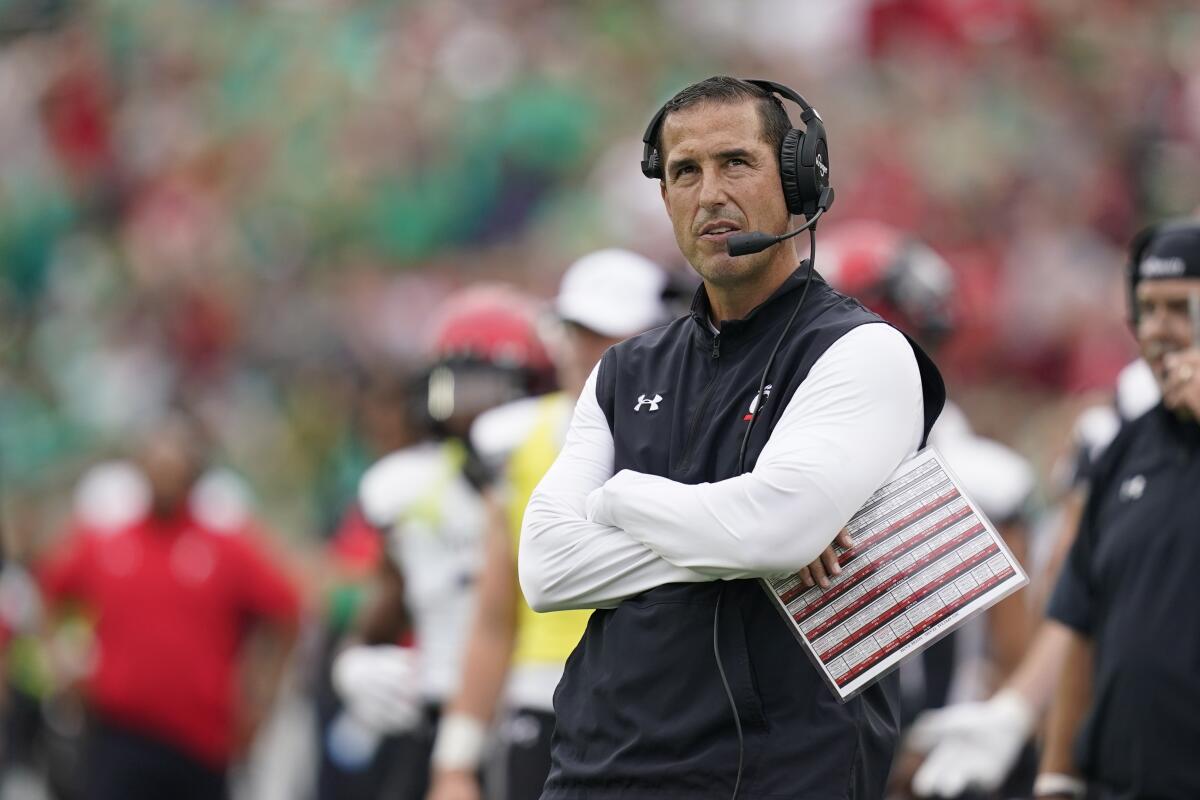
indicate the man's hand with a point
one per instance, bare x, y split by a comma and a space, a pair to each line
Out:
454, 784
380, 687
826, 567
970, 745
1181, 391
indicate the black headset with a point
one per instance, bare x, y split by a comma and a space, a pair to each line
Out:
803, 156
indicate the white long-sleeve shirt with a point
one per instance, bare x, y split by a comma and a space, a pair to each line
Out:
590, 539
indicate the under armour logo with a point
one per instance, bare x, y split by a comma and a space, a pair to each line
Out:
645, 401
1133, 488
821, 168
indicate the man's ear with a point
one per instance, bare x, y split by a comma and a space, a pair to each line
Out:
662, 188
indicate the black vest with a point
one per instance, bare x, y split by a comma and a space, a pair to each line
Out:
641, 711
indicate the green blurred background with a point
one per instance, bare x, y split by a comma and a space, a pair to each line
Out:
251, 207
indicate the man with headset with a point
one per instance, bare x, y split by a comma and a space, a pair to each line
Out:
671, 495
1124, 721
1118, 638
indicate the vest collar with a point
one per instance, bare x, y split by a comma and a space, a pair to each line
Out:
763, 316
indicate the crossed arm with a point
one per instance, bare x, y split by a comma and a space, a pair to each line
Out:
566, 561
591, 539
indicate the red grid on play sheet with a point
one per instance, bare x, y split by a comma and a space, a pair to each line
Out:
922, 555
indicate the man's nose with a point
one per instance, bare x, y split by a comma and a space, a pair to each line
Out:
1156, 322
1150, 323
712, 190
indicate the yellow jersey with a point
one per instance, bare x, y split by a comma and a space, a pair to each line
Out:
541, 638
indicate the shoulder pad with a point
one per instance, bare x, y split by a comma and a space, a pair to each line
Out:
496, 433
1095, 428
998, 479
1137, 390
397, 481
951, 424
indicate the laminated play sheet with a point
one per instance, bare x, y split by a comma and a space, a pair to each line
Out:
924, 560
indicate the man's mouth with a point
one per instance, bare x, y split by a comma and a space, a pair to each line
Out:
1156, 350
718, 231
1155, 353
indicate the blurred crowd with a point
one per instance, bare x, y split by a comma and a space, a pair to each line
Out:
252, 210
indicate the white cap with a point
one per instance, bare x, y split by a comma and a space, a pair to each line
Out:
614, 293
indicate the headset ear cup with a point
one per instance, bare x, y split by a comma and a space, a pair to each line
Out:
790, 171
655, 167
814, 165
651, 161
820, 161
650, 165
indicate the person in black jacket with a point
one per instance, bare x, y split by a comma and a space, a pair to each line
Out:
654, 516
1126, 719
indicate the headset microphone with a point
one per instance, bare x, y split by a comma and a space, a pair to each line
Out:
744, 244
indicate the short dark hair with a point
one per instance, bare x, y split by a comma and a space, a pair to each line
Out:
723, 89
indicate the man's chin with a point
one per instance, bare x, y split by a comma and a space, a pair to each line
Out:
722, 270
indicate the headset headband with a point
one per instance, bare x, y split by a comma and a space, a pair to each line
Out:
649, 138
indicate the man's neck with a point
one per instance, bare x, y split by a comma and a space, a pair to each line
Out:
169, 516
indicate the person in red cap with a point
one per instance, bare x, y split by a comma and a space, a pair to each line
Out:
514, 657
170, 590
426, 500
904, 280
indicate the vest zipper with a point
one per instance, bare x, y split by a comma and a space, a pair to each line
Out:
686, 460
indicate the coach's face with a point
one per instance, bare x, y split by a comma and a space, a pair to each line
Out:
1164, 324
720, 177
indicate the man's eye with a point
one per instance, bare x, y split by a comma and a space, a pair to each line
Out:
737, 162
1170, 310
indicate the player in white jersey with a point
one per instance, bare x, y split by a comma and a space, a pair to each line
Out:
427, 501
516, 658
910, 285
974, 746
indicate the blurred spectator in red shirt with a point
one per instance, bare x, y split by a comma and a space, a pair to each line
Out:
171, 594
